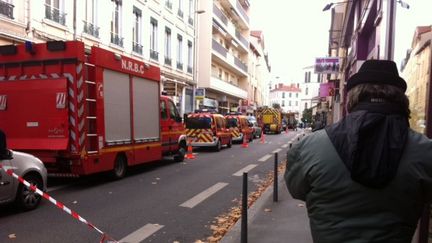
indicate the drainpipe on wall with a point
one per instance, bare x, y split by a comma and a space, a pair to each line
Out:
74, 19
390, 36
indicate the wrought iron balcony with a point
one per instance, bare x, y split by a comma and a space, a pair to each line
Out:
180, 13
179, 65
240, 64
190, 20
168, 4
6, 9
242, 39
189, 69
55, 15
116, 39
136, 47
91, 29
154, 55
220, 14
219, 48
168, 61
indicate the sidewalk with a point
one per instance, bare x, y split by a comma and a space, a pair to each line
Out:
274, 222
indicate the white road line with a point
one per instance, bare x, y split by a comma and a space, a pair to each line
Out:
142, 233
203, 195
265, 157
277, 150
245, 169
285, 146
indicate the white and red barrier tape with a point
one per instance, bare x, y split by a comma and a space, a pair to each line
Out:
60, 205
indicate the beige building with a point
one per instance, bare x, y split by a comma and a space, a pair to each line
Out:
160, 32
416, 72
223, 70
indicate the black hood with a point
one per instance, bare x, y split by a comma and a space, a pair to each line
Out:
370, 141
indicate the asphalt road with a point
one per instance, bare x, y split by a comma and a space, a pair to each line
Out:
160, 202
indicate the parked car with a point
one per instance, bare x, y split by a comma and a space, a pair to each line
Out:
26, 166
257, 130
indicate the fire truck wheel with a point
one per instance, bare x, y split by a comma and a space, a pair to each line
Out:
229, 145
26, 198
218, 146
180, 156
120, 166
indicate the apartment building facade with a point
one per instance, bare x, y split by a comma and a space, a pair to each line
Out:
287, 96
222, 72
259, 70
310, 87
160, 32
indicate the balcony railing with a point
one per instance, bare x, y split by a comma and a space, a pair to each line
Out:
189, 69
190, 20
219, 48
168, 4
242, 12
168, 61
180, 13
220, 14
91, 29
116, 39
55, 15
179, 65
242, 39
240, 64
154, 55
6, 9
137, 47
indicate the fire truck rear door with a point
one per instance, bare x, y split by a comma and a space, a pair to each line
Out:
34, 113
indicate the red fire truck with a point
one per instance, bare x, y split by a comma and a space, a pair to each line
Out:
85, 111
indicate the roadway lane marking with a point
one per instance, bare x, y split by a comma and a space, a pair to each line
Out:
285, 145
265, 157
245, 169
203, 195
142, 233
277, 150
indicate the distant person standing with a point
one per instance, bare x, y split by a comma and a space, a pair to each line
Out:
367, 177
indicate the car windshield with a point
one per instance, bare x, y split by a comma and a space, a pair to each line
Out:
198, 123
232, 122
251, 119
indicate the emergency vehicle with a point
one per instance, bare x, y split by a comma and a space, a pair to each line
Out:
239, 127
270, 119
84, 111
207, 129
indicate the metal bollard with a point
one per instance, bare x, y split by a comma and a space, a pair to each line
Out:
275, 180
290, 145
298, 138
244, 209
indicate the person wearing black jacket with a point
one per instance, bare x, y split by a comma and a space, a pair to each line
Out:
367, 177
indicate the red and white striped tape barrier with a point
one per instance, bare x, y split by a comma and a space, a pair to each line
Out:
60, 205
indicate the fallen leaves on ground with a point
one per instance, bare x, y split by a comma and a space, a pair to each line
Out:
224, 222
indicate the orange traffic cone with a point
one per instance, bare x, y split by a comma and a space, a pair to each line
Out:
190, 154
245, 144
262, 137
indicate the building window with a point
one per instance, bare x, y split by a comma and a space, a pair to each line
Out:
136, 31
290, 95
220, 73
54, 11
296, 103
6, 8
283, 103
168, 4
180, 8
190, 57
306, 105
191, 12
116, 24
307, 91
167, 46
296, 95
90, 21
153, 39
179, 52
283, 94
289, 103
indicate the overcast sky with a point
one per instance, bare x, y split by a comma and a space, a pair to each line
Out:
296, 32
